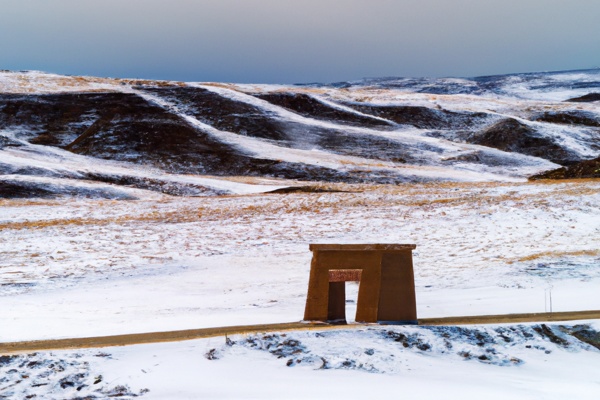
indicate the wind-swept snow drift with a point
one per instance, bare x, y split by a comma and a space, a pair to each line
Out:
160, 136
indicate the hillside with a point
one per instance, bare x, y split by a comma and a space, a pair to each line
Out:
100, 137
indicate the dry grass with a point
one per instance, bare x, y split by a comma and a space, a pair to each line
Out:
26, 83
404, 198
559, 254
151, 217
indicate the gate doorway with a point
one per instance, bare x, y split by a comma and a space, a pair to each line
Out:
336, 309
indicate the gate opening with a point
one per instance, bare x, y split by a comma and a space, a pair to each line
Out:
336, 309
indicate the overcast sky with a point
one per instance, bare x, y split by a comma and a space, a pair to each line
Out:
284, 41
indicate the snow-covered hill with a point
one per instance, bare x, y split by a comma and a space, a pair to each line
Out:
217, 237
159, 136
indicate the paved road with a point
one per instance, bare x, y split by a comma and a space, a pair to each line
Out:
175, 336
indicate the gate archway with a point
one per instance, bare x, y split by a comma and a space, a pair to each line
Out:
387, 290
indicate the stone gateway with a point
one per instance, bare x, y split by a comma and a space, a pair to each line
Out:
386, 293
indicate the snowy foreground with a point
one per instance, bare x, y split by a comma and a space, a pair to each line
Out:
80, 267
449, 362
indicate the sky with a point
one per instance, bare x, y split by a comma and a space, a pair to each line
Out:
302, 41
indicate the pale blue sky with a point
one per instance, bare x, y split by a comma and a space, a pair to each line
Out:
280, 41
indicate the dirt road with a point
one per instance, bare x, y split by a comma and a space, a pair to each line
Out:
175, 336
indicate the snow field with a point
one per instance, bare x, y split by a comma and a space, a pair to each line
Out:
89, 268
515, 361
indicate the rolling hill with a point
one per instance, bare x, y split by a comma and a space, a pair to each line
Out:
113, 138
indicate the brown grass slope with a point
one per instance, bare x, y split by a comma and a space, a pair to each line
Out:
583, 169
249, 120
125, 127
513, 136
